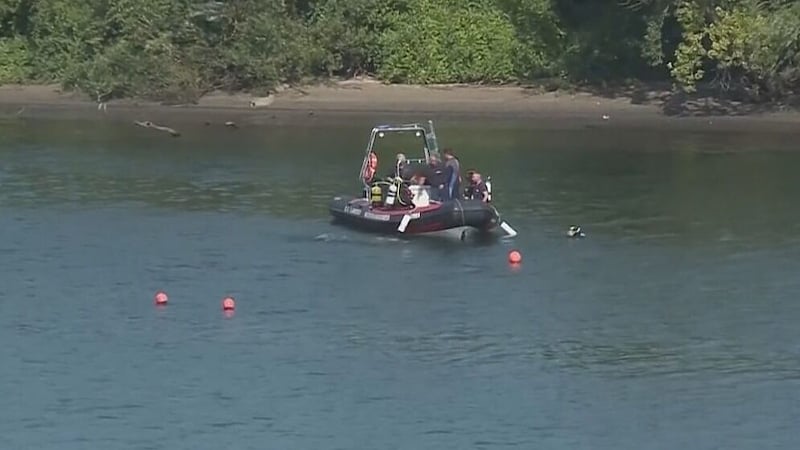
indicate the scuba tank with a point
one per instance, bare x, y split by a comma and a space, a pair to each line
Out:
376, 195
489, 189
392, 195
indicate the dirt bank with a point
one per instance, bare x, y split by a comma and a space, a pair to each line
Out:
342, 101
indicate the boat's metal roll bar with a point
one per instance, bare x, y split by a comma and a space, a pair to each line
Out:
433, 144
430, 145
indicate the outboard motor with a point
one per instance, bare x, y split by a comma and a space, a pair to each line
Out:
489, 189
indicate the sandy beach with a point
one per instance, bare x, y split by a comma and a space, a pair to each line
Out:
341, 101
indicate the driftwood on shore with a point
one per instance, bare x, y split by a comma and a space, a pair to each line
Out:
148, 124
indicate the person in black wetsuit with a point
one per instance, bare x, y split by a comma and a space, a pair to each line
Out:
453, 174
477, 189
469, 190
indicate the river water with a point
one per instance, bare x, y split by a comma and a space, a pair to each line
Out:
673, 324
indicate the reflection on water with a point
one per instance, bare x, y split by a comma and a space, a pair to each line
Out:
665, 188
284, 198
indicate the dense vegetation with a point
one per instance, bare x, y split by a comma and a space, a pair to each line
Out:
179, 49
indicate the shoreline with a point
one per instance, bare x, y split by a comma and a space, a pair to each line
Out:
346, 101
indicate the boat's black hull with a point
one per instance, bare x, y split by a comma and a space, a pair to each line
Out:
356, 213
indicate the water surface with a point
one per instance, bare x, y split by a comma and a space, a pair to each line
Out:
672, 325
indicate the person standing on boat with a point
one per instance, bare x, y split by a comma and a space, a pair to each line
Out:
453, 173
436, 177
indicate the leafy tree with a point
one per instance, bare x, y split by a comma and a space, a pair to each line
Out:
176, 50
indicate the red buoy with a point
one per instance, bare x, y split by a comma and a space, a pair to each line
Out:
228, 304
161, 298
514, 257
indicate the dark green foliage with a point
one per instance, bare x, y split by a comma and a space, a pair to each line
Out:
540, 38
605, 42
346, 34
176, 50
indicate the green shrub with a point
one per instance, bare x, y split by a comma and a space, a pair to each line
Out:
14, 61
448, 41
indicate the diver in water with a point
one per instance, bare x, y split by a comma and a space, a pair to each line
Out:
575, 232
